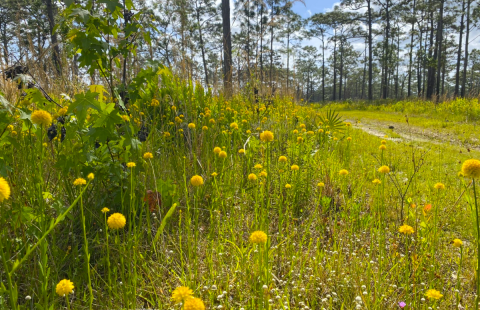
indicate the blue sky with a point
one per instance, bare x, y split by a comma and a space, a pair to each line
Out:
313, 6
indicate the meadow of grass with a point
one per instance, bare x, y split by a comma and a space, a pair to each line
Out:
242, 205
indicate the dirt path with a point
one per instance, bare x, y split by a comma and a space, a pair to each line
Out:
397, 131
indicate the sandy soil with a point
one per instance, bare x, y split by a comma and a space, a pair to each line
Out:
406, 132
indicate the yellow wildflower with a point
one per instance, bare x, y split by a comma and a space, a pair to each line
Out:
258, 237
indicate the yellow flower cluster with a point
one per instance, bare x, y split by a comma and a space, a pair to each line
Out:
266, 136
471, 168
457, 243
154, 103
42, 118
147, 155
405, 229
196, 180
433, 294
4, 190
79, 182
384, 169
116, 221
183, 294
258, 237
64, 287
194, 304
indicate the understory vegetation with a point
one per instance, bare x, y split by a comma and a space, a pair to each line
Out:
129, 205
129, 181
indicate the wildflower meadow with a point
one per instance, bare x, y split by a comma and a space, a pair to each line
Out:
126, 182
187, 200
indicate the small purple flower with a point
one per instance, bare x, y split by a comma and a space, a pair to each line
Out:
402, 304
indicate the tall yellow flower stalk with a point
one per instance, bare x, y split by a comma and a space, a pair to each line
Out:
63, 288
81, 182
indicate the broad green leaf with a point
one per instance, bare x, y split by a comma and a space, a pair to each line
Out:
100, 134
99, 89
82, 103
109, 117
131, 28
36, 96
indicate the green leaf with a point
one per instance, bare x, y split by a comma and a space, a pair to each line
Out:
164, 222
17, 262
146, 37
36, 96
109, 117
120, 102
4, 167
28, 214
13, 141
129, 4
99, 89
135, 144
333, 120
100, 134
81, 13
25, 114
4, 102
68, 2
131, 28
112, 5
81, 105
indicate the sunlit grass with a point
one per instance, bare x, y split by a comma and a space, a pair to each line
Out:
231, 205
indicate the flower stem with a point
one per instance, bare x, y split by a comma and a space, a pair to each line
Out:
478, 245
87, 255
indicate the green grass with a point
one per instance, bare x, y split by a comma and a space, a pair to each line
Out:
446, 119
331, 247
